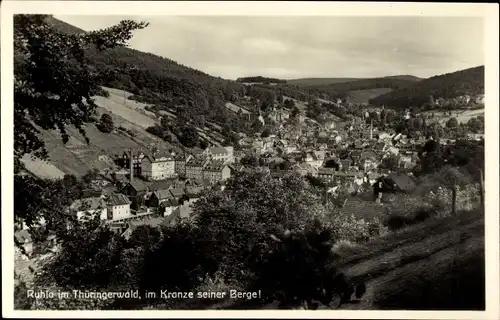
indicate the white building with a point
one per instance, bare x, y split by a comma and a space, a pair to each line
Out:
158, 167
225, 154
88, 208
118, 206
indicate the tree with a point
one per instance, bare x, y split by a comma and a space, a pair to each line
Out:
137, 202
289, 104
265, 133
295, 111
452, 123
233, 222
144, 236
451, 177
41, 53
189, 136
89, 256
250, 160
106, 124
391, 162
199, 120
280, 98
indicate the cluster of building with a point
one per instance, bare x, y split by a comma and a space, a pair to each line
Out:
155, 187
160, 188
212, 164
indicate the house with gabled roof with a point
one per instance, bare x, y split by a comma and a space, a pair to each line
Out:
158, 166
394, 183
135, 188
194, 192
89, 207
194, 167
124, 161
158, 197
305, 169
326, 174
168, 206
224, 154
180, 161
345, 163
118, 206
216, 171
177, 193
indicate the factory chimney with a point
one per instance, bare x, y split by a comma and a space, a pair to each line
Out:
371, 130
131, 156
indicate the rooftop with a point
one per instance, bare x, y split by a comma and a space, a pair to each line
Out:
91, 203
117, 199
218, 150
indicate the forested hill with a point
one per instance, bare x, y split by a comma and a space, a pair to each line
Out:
161, 81
447, 86
341, 82
260, 79
353, 89
156, 79
364, 84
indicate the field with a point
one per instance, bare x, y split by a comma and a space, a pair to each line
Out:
132, 111
235, 108
77, 157
130, 120
363, 96
462, 115
319, 81
300, 104
40, 168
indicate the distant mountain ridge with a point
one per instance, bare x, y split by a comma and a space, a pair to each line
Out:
451, 85
309, 82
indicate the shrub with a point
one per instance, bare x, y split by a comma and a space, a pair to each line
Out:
411, 209
348, 228
105, 124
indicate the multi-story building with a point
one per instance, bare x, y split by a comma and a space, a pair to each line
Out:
225, 154
118, 206
180, 164
216, 171
158, 166
326, 174
124, 161
194, 167
279, 115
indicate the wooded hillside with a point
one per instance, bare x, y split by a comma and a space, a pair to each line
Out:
450, 85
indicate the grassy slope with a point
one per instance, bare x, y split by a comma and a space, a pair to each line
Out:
76, 157
363, 96
436, 265
461, 115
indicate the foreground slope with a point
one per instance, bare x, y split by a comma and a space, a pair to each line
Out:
436, 265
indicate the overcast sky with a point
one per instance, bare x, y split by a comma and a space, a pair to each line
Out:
297, 47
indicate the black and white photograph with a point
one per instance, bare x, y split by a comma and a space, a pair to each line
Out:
219, 161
